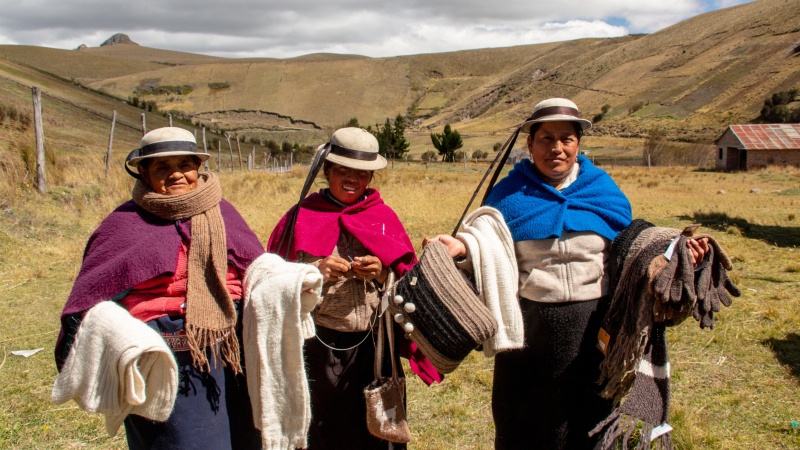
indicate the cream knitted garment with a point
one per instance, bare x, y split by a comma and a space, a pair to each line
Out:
494, 266
278, 300
118, 366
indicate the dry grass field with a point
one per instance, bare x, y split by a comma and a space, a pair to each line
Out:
734, 387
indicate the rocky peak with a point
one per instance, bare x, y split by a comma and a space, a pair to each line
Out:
118, 38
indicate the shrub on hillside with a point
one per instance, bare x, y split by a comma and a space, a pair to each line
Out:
218, 85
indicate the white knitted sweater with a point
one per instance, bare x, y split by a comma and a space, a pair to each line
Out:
118, 366
491, 258
278, 300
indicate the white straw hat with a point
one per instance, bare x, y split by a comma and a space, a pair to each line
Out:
555, 110
166, 141
356, 148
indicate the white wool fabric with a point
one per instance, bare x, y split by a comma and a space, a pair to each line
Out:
494, 266
118, 366
278, 300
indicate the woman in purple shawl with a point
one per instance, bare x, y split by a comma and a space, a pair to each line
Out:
174, 257
355, 240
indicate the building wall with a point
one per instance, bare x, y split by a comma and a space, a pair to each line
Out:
763, 158
727, 155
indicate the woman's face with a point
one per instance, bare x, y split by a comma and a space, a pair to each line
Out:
171, 175
554, 148
346, 184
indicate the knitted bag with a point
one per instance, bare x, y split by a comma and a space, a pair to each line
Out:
440, 310
386, 405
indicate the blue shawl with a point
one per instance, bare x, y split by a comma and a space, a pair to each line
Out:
535, 210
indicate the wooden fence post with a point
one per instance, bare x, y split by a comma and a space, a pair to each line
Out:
205, 147
239, 148
110, 142
41, 179
219, 156
170, 120
230, 149
144, 125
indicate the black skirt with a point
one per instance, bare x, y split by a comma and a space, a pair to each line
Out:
336, 379
545, 395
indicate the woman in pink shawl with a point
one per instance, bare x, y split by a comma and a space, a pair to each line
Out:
355, 240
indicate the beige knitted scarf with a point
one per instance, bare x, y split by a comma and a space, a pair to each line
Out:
210, 314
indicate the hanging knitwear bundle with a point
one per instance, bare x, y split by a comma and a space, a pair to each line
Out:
440, 310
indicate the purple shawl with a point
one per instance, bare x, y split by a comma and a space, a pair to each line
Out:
132, 245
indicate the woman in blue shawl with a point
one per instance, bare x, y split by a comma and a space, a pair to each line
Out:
563, 214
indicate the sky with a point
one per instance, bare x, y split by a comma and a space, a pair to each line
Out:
375, 28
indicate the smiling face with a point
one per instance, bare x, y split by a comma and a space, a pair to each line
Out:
170, 175
347, 185
554, 148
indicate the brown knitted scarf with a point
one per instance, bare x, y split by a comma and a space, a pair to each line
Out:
210, 314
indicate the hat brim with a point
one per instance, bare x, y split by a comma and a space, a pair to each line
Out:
377, 164
585, 124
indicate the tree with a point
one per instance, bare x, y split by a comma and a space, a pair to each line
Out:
478, 154
429, 156
447, 143
497, 146
391, 138
353, 122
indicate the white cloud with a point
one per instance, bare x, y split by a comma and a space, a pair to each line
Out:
286, 28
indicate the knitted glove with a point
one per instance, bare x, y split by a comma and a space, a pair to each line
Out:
674, 287
713, 285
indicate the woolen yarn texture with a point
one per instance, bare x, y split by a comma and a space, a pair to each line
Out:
118, 366
449, 319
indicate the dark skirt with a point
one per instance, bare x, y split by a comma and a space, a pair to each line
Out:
545, 395
336, 379
212, 409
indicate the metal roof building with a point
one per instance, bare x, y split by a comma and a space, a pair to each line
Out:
743, 147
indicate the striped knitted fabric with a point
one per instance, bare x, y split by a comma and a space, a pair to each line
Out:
440, 309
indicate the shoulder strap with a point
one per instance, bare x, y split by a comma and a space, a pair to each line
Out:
502, 156
288, 232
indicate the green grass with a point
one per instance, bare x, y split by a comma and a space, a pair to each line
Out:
734, 387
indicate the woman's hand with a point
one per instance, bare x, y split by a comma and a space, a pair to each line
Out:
455, 247
333, 267
698, 247
369, 268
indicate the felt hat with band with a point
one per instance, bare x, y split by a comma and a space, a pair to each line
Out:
167, 141
555, 110
356, 148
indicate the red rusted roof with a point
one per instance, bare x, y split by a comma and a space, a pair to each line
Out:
772, 136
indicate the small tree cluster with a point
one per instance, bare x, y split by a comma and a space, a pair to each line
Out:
447, 143
478, 154
776, 109
603, 111
391, 138
429, 156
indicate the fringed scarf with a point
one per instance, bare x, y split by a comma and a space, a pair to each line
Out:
210, 313
651, 292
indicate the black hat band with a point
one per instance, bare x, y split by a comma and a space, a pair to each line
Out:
552, 110
169, 146
353, 154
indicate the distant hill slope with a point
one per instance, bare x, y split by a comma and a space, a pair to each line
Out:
692, 78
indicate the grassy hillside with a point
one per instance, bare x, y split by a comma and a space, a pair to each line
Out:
692, 78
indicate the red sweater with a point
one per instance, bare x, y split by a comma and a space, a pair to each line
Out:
165, 295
